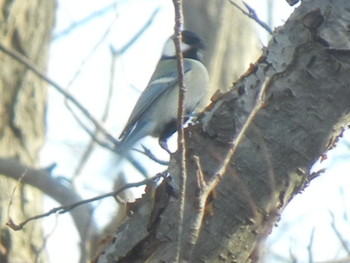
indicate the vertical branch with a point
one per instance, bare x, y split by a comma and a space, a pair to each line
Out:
180, 121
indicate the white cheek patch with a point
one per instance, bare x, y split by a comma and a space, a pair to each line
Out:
185, 47
170, 51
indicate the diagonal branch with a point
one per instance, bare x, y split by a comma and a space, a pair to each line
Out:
23, 60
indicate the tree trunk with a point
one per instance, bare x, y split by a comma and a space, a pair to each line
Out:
26, 28
251, 152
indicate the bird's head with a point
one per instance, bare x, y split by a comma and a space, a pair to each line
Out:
191, 44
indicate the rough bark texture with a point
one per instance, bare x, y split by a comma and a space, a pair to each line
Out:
25, 26
305, 73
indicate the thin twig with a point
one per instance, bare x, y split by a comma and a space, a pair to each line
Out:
252, 14
114, 53
19, 181
309, 247
90, 147
138, 35
67, 208
85, 20
150, 155
54, 187
92, 51
180, 121
339, 235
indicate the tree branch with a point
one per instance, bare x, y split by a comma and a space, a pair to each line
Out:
55, 188
181, 142
23, 60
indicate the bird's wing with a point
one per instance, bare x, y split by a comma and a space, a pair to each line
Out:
164, 78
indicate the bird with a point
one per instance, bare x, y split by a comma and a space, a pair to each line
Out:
155, 112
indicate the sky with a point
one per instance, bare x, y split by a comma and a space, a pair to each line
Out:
66, 141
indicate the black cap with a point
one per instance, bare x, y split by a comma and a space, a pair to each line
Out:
190, 38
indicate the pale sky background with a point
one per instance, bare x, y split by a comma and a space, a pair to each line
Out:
66, 141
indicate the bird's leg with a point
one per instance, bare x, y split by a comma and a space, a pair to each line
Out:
168, 130
163, 143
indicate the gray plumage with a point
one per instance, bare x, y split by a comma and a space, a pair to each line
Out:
155, 113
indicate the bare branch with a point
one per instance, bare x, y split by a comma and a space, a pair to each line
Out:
19, 181
309, 247
181, 143
23, 60
67, 208
107, 141
85, 20
137, 35
252, 14
339, 235
90, 146
57, 189
115, 53
150, 155
93, 50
